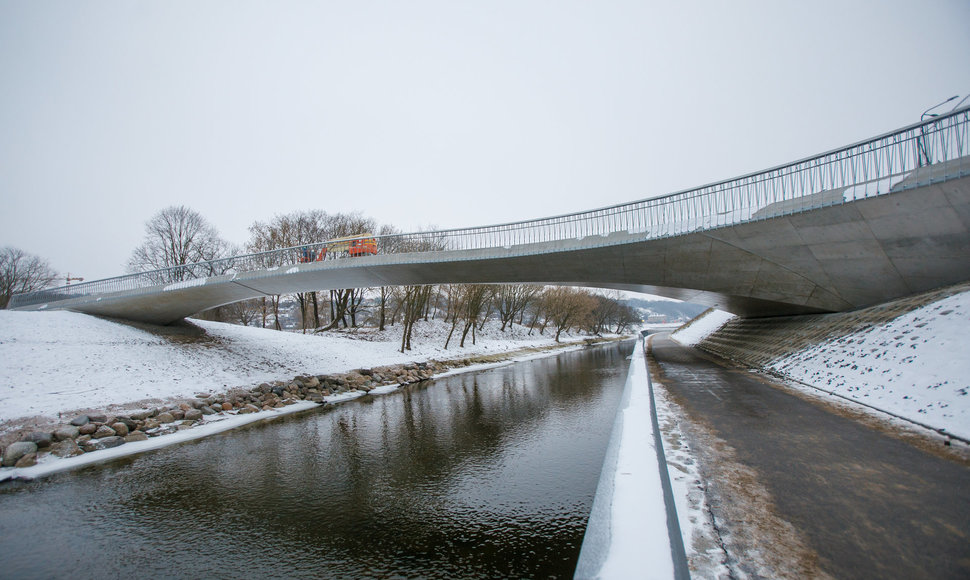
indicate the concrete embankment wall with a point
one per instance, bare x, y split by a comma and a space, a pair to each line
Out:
757, 342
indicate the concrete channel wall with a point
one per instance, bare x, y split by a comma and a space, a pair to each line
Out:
633, 530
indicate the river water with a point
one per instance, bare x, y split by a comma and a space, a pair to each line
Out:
488, 474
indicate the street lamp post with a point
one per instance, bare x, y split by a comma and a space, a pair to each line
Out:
924, 154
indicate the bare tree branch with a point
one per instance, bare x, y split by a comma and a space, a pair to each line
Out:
22, 272
176, 236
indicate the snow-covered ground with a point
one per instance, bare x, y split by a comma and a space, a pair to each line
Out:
62, 362
702, 327
916, 366
705, 554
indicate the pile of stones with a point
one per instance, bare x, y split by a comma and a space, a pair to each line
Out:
96, 431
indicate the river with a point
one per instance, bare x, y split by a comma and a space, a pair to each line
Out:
488, 474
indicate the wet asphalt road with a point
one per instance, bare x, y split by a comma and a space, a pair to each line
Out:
869, 505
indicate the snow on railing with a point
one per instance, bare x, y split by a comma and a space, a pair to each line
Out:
927, 152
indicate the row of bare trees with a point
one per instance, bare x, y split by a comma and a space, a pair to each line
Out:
466, 307
177, 237
310, 227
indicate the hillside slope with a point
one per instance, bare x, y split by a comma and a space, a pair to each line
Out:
908, 357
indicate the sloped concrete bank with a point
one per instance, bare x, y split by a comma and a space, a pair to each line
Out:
843, 342
758, 342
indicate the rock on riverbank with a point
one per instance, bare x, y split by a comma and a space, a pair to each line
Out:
94, 431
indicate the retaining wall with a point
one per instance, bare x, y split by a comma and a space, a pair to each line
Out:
757, 342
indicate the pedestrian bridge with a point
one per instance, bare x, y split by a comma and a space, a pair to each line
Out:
849, 228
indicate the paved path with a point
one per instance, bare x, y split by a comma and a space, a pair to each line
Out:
861, 504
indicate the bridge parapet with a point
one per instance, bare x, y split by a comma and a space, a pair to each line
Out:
921, 154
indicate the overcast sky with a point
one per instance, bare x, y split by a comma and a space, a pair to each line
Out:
448, 114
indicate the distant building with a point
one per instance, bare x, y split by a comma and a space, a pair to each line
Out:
657, 319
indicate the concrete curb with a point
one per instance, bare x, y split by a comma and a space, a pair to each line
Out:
677, 552
633, 530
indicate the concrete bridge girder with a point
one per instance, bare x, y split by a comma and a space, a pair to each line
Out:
836, 258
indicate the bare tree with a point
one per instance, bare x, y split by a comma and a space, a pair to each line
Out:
348, 300
176, 236
382, 309
263, 239
355, 304
246, 311
567, 307
346, 224
540, 312
414, 299
605, 313
22, 272
477, 307
466, 305
512, 300
611, 313
454, 302
625, 318
287, 231
385, 292
305, 228
396, 299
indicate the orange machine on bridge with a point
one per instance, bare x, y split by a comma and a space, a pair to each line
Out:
352, 246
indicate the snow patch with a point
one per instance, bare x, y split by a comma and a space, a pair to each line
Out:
59, 362
706, 557
915, 366
701, 327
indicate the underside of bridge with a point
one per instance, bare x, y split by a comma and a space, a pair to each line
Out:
836, 258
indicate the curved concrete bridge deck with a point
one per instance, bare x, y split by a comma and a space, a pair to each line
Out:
779, 242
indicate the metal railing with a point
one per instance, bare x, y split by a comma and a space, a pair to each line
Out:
927, 152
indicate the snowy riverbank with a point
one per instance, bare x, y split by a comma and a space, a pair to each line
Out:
61, 366
62, 362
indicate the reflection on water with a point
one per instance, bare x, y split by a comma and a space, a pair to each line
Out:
478, 475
